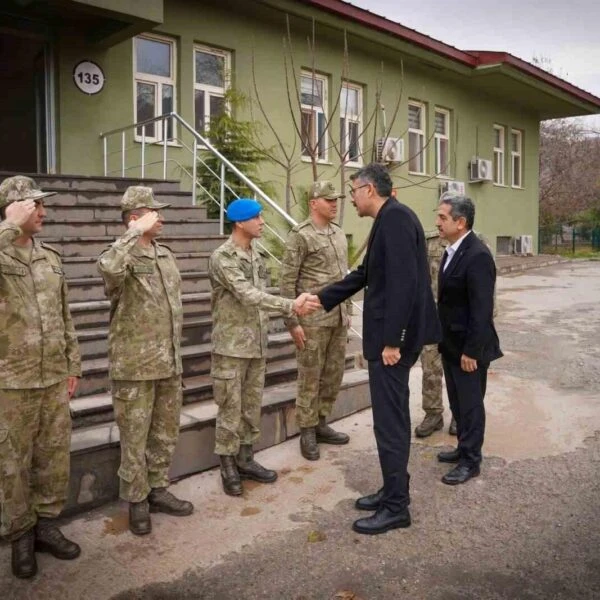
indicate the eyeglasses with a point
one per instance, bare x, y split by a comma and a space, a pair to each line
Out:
353, 191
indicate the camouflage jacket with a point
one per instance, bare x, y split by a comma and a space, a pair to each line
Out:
313, 259
38, 345
146, 314
435, 251
239, 302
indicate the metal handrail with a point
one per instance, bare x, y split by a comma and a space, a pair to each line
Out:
200, 143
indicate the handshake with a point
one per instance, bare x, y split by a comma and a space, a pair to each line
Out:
305, 304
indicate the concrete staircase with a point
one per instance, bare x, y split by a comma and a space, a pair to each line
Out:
83, 218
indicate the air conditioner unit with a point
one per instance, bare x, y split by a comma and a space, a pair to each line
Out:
480, 170
523, 245
390, 150
456, 187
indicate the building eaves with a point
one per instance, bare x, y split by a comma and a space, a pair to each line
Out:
470, 58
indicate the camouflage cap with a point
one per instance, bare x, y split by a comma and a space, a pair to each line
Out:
324, 189
140, 196
20, 187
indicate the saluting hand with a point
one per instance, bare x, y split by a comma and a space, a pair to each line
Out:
18, 212
145, 222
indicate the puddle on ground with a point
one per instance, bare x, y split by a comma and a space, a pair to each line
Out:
116, 525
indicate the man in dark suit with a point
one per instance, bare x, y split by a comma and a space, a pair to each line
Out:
399, 318
466, 284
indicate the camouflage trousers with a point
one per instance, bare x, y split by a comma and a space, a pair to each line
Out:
237, 390
431, 362
35, 443
147, 413
320, 370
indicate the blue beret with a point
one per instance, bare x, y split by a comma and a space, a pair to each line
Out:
243, 209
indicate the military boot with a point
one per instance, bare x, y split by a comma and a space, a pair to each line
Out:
452, 428
23, 560
327, 435
161, 500
431, 423
139, 518
48, 538
308, 443
230, 477
249, 469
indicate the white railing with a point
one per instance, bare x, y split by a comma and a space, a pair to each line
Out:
199, 145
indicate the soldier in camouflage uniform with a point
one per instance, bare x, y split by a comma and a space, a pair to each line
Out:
431, 360
40, 367
240, 306
143, 283
317, 255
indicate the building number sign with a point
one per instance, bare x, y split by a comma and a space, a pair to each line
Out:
88, 77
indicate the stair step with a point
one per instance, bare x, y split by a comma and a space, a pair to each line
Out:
94, 245
86, 210
76, 267
195, 362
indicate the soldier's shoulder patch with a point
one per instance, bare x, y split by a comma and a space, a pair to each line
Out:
51, 248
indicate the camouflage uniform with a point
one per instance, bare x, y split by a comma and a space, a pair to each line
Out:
431, 360
313, 259
38, 352
240, 306
146, 318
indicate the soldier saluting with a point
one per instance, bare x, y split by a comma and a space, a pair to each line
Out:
143, 283
39, 370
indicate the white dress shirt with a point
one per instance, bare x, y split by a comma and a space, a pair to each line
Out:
451, 250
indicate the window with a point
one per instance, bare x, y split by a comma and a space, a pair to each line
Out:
516, 149
154, 68
211, 80
442, 142
416, 137
313, 100
498, 154
350, 122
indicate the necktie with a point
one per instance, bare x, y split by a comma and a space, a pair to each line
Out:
444, 260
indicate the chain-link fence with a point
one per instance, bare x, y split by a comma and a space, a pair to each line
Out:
562, 238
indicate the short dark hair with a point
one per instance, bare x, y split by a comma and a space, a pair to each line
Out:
460, 206
378, 175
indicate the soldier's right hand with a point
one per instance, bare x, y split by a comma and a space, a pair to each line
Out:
145, 222
18, 212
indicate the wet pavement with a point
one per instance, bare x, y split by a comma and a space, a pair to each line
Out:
528, 527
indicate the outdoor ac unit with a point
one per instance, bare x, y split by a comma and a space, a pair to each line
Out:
480, 170
523, 245
390, 150
456, 187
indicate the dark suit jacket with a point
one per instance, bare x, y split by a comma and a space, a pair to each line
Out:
466, 304
399, 308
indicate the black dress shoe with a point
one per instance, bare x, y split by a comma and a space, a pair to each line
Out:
370, 502
383, 520
460, 474
449, 457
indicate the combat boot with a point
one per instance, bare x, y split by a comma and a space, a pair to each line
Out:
230, 477
139, 518
161, 500
308, 443
23, 560
431, 423
48, 538
327, 435
452, 428
248, 468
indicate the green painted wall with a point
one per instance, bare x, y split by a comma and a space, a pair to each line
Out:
246, 29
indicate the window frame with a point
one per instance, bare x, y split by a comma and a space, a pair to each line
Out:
516, 154
157, 81
438, 139
499, 153
315, 111
357, 119
211, 90
422, 132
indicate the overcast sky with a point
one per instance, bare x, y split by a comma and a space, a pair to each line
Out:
568, 33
